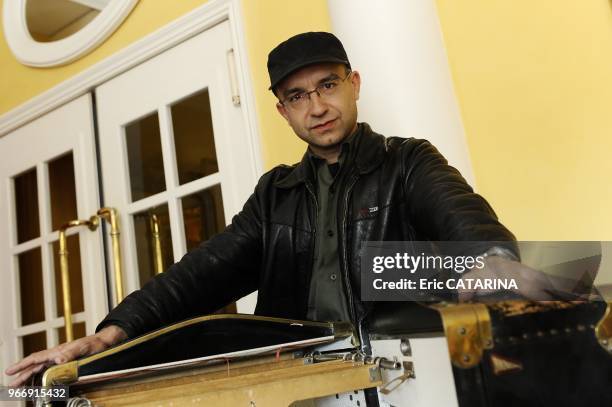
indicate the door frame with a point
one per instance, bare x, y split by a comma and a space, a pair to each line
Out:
179, 30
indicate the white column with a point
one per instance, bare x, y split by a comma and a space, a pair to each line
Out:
407, 89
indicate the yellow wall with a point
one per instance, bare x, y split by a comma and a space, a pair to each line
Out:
19, 83
532, 79
267, 22
534, 83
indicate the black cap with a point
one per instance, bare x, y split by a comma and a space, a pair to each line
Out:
302, 50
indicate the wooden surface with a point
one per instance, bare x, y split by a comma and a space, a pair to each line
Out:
274, 383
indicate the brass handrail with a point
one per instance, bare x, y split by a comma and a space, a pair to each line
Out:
156, 241
92, 224
111, 216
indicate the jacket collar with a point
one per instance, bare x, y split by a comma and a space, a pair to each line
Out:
367, 154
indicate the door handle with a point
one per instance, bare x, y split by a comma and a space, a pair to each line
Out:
231, 64
92, 224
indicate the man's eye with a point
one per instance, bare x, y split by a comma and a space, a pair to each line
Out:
329, 85
296, 98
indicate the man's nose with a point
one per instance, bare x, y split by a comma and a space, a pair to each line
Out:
318, 106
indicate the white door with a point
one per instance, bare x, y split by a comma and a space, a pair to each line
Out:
175, 155
47, 178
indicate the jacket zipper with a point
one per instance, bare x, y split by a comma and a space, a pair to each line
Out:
344, 249
314, 228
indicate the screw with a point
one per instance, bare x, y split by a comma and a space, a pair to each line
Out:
405, 348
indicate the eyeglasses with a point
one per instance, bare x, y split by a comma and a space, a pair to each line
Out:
301, 100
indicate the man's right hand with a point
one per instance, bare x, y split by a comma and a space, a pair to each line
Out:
65, 352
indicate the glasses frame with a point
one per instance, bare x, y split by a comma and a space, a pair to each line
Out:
307, 93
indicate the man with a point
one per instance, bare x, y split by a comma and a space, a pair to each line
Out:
298, 236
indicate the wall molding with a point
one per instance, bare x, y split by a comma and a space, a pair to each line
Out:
177, 31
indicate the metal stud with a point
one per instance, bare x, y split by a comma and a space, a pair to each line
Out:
405, 347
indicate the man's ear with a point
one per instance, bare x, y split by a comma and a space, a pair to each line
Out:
356, 82
282, 110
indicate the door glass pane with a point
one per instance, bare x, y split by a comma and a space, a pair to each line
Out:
62, 190
193, 137
31, 287
147, 246
203, 215
34, 342
145, 157
78, 331
26, 206
76, 277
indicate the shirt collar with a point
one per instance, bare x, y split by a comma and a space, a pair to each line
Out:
368, 153
348, 144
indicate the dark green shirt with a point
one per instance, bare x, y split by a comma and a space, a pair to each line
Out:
327, 298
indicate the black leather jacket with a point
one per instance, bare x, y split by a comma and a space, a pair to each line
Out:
397, 189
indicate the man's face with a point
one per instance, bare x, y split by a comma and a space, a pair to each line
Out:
325, 121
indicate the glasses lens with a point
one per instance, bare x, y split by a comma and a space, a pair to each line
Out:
329, 88
301, 100
298, 102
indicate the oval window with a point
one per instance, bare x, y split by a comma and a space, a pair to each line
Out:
45, 33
